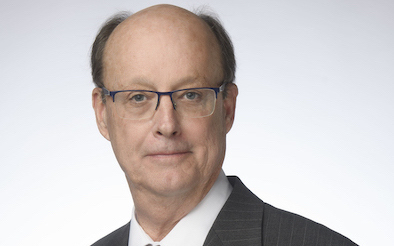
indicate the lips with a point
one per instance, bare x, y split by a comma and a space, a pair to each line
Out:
168, 153
168, 150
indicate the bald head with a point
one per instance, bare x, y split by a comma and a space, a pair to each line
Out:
162, 21
166, 15
163, 38
165, 21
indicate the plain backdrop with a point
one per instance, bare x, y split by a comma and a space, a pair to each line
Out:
313, 132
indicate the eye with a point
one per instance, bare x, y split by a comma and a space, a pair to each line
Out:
190, 95
138, 98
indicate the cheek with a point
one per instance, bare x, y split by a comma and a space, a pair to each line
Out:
204, 131
209, 137
126, 140
217, 132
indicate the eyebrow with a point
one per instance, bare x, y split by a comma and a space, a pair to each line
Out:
188, 82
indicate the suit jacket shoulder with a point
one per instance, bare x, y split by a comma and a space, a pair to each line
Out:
120, 237
246, 220
284, 228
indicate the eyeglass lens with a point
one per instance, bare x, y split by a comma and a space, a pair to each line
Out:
193, 103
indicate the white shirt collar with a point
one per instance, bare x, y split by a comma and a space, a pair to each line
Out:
192, 229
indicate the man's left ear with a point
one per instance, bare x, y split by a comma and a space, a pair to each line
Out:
229, 103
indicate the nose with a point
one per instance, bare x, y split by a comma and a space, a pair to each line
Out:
166, 118
161, 94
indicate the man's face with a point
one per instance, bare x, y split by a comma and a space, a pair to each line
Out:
166, 154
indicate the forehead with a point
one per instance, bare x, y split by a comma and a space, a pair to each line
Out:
162, 43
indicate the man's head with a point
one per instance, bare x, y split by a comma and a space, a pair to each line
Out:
227, 50
165, 48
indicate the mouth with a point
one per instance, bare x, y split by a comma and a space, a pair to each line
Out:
172, 154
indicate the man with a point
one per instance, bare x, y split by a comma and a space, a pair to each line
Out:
165, 99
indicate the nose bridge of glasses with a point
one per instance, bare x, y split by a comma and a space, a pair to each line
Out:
169, 93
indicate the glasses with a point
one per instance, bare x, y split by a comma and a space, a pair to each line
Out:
142, 104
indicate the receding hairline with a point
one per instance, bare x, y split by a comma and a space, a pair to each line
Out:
202, 13
160, 10
146, 21
167, 13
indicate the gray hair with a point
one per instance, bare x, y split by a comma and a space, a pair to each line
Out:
227, 49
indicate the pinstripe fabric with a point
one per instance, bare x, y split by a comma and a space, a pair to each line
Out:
284, 228
245, 220
239, 221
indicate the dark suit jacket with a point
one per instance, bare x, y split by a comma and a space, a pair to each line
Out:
245, 220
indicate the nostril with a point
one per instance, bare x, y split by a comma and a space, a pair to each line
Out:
160, 133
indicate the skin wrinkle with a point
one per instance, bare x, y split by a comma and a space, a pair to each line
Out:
143, 51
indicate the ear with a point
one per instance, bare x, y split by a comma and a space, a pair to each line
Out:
100, 110
229, 105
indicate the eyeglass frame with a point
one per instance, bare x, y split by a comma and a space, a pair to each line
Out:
217, 90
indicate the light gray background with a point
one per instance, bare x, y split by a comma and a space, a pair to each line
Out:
313, 132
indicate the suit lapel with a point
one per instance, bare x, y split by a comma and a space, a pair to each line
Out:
239, 222
120, 237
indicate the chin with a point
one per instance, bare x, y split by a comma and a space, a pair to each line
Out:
176, 183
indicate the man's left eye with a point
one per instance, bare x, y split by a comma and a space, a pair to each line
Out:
191, 95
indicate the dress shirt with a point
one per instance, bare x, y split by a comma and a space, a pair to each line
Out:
192, 229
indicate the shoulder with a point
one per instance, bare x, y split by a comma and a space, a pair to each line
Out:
118, 237
281, 227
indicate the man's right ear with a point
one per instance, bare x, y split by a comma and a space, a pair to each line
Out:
100, 110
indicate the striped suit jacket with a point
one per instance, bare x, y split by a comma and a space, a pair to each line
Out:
245, 220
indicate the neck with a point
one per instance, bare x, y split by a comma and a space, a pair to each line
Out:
158, 214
